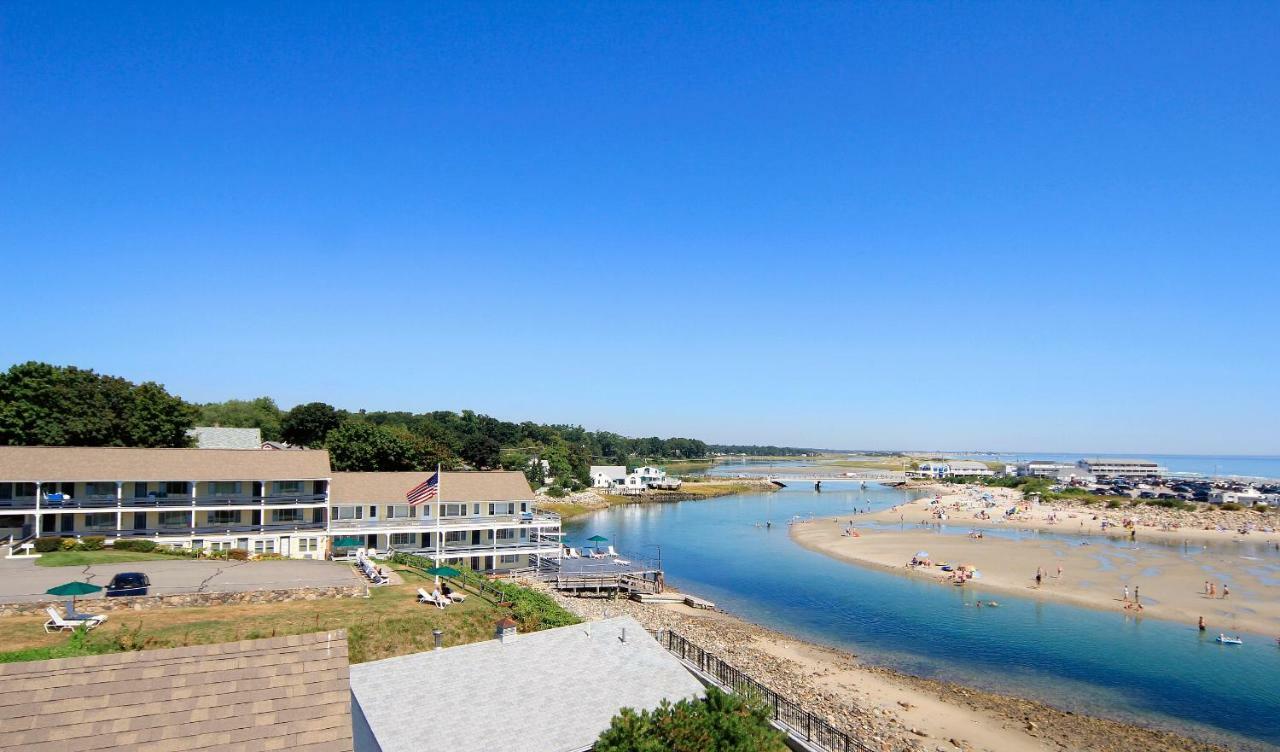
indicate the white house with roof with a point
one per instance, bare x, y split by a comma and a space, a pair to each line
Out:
607, 476
557, 690
953, 468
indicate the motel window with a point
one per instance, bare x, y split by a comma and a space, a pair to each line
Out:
475, 510
455, 536
286, 515
177, 488
508, 559
287, 488
267, 546
220, 545
502, 508
224, 517
399, 511
402, 539
506, 534
6, 491
348, 513
174, 519
224, 488
100, 490
453, 510
100, 521
139, 490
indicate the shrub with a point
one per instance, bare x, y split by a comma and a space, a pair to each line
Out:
238, 554
92, 543
143, 545
1231, 506
1114, 504
721, 721
556, 492
48, 545
69, 544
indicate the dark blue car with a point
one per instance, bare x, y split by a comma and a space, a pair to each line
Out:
128, 583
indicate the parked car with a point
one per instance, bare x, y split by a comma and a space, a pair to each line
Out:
128, 583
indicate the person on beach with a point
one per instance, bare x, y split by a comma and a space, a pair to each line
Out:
1126, 593
1206, 587
1213, 591
1225, 590
1039, 574
1136, 597
1059, 571
1201, 623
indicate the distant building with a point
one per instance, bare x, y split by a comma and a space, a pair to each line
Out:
280, 445
551, 691
1115, 468
286, 693
954, 468
646, 477
217, 437
1044, 468
1247, 498
607, 476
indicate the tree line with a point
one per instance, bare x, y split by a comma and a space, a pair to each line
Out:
43, 404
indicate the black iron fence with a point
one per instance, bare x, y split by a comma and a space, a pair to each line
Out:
800, 723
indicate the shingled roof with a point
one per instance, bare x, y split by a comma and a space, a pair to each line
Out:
23, 463
281, 693
490, 485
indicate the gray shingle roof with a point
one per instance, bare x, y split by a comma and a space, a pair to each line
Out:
221, 437
550, 691
279, 693
34, 463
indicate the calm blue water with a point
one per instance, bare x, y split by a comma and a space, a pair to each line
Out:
1099, 662
1200, 464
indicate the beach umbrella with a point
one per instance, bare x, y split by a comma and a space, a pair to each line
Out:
443, 571
73, 589
922, 554
598, 539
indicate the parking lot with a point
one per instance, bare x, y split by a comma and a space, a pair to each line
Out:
21, 580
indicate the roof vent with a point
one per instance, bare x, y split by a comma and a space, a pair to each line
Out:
506, 629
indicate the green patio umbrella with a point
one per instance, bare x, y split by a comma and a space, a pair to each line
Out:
73, 589
598, 539
443, 571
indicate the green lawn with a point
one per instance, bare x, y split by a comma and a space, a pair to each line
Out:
388, 623
86, 558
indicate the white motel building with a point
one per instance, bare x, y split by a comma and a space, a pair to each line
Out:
288, 503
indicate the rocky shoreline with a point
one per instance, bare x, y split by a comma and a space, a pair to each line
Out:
835, 685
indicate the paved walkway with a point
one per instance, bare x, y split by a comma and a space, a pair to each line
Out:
21, 580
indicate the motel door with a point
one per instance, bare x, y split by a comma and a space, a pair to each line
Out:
284, 546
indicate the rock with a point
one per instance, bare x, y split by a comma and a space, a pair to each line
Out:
905, 705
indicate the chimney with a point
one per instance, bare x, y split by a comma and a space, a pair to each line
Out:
506, 630
438, 636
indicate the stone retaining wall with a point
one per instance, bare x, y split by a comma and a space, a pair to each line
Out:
179, 600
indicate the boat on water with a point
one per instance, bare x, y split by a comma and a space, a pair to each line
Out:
1229, 640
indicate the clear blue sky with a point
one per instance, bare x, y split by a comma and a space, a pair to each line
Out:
987, 225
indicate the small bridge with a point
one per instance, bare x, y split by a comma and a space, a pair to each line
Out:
870, 476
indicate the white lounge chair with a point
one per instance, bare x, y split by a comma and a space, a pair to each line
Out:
56, 622
611, 553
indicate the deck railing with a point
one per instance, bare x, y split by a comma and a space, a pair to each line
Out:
795, 720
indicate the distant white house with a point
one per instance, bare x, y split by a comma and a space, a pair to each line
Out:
1247, 498
217, 437
607, 476
1115, 468
954, 468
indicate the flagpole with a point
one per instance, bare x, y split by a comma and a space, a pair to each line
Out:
439, 509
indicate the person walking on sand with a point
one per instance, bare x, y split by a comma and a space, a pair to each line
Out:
1225, 590
1213, 591
1136, 599
1206, 587
1039, 574
1059, 571
1126, 593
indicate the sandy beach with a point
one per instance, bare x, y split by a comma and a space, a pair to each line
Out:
1167, 580
895, 711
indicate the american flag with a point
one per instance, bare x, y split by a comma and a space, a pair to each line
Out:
424, 491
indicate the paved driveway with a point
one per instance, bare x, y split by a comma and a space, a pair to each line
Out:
22, 580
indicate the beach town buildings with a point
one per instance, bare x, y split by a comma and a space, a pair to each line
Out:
1103, 468
1044, 468
286, 503
954, 468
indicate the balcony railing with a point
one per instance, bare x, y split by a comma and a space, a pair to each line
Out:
431, 523
187, 531
152, 502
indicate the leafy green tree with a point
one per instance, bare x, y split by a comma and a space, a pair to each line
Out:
366, 447
307, 425
43, 404
481, 452
261, 413
720, 723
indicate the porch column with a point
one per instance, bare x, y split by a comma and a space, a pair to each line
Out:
119, 505
38, 515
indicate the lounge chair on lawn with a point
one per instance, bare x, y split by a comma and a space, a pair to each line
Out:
56, 622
